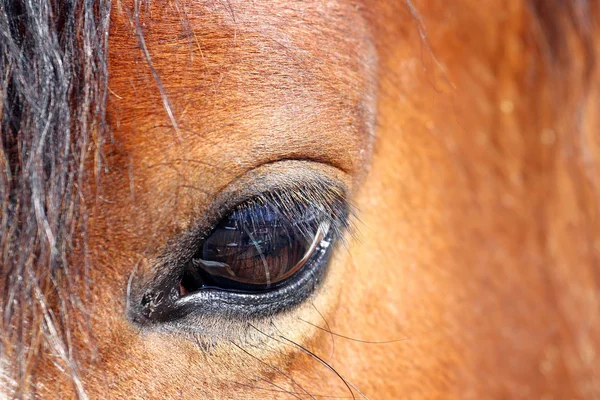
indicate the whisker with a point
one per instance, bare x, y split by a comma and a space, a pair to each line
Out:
266, 389
328, 366
328, 329
320, 396
163, 94
319, 359
354, 339
281, 389
272, 367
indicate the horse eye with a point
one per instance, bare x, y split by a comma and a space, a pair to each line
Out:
256, 247
266, 255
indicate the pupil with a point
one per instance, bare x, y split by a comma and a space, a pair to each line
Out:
258, 245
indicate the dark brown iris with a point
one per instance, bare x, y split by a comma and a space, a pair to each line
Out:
258, 245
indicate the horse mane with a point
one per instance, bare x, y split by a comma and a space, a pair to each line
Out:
53, 92
53, 83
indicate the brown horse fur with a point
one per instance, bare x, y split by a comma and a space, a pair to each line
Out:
464, 131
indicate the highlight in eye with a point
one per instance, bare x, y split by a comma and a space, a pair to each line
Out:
256, 245
266, 240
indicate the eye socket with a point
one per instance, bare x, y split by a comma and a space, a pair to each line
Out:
257, 247
266, 255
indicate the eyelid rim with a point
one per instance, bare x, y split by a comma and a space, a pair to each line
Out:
190, 313
239, 305
181, 250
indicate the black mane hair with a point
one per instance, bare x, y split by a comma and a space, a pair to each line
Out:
53, 82
53, 91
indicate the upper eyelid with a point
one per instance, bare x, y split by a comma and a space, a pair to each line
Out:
297, 218
306, 177
313, 189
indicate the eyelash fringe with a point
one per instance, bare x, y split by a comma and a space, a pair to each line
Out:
303, 207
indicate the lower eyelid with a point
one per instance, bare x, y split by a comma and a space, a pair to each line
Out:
190, 313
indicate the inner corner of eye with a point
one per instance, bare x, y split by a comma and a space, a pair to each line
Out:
259, 245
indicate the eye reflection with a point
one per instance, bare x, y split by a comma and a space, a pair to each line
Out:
258, 245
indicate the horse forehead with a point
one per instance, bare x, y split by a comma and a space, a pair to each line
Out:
242, 83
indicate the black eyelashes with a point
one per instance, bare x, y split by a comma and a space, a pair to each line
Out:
263, 242
266, 254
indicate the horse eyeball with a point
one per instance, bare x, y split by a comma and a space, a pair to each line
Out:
257, 247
